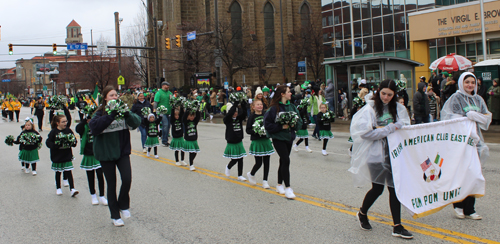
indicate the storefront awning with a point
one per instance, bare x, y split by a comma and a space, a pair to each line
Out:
373, 59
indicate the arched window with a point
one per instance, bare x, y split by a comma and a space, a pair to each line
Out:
305, 16
269, 33
236, 26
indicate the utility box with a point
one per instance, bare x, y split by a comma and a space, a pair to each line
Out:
489, 70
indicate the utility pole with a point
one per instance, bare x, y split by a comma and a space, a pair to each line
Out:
282, 44
217, 41
117, 38
483, 32
155, 26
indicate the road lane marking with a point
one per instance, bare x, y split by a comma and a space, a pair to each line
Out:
436, 232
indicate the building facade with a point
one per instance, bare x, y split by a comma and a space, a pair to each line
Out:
254, 26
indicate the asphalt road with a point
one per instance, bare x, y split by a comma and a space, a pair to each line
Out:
170, 204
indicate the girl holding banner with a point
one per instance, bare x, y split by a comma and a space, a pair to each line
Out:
370, 160
466, 103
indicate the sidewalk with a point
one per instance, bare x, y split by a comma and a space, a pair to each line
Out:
492, 135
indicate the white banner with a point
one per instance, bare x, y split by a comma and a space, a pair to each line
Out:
435, 164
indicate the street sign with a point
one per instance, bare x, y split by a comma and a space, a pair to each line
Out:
6, 80
226, 84
102, 46
301, 68
121, 80
218, 62
217, 52
191, 35
356, 43
77, 46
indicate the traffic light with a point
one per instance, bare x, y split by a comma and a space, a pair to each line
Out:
178, 40
54, 49
167, 43
11, 49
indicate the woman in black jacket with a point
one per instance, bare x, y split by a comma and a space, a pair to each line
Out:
137, 109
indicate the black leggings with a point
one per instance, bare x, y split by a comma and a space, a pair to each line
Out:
17, 114
177, 156
283, 148
40, 121
240, 165
11, 115
372, 195
306, 141
122, 202
100, 178
67, 175
325, 141
467, 205
155, 150
258, 163
191, 158
27, 165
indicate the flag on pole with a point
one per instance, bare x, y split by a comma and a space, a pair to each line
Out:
95, 96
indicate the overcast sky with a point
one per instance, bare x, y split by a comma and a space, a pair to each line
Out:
45, 21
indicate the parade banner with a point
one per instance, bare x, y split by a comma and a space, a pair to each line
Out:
435, 164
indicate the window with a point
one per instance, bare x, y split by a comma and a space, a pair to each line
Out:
347, 48
387, 7
399, 22
358, 50
461, 50
400, 41
327, 18
356, 10
378, 45
494, 47
357, 29
376, 8
236, 27
269, 32
377, 26
367, 45
327, 34
399, 6
365, 9
432, 42
337, 16
337, 3
367, 27
305, 13
338, 31
347, 31
411, 5
346, 14
389, 42
422, 4
388, 25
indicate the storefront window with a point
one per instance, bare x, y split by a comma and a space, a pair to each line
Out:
392, 74
389, 42
471, 49
441, 42
432, 42
337, 16
441, 51
372, 73
347, 31
377, 26
461, 50
450, 40
338, 31
347, 48
365, 9
367, 27
400, 40
357, 29
376, 8
378, 45
432, 54
358, 50
367, 45
494, 47
479, 48
388, 25
399, 22
450, 49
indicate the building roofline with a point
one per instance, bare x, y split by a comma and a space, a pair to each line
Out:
374, 59
447, 7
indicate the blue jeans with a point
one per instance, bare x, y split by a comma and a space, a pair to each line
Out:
331, 104
165, 128
142, 129
420, 120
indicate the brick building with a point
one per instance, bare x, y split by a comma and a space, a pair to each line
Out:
250, 30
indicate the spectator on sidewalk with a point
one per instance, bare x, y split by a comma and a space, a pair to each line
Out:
421, 110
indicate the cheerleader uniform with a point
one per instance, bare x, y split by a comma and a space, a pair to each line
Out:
152, 131
302, 133
91, 165
261, 147
29, 152
325, 130
234, 136
177, 143
62, 157
191, 137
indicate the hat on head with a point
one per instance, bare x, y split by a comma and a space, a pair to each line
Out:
258, 91
165, 83
363, 81
238, 88
445, 73
265, 89
228, 106
423, 78
150, 115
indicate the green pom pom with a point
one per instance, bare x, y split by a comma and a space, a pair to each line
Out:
9, 140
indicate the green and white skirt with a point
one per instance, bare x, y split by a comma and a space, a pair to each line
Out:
89, 163
177, 144
152, 142
261, 147
29, 156
60, 167
325, 134
302, 134
191, 147
235, 151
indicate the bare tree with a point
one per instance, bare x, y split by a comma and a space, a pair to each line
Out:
137, 36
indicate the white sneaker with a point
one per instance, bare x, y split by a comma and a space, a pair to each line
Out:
65, 183
27, 170
324, 152
474, 216
178, 163
59, 191
280, 189
308, 150
156, 156
144, 150
23, 168
103, 201
265, 185
148, 154
33, 172
228, 172
459, 212
289, 193
184, 163
192, 168
94, 200
118, 222
74, 192
125, 214
251, 178
295, 148
241, 178
211, 117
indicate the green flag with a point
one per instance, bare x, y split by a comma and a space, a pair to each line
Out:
95, 96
